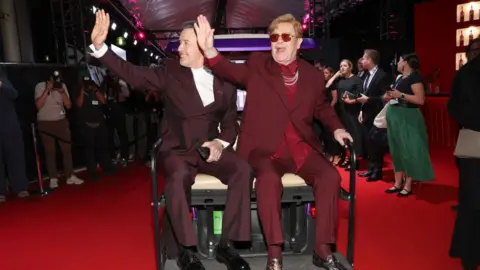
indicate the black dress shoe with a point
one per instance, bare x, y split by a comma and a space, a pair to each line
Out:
188, 261
274, 264
227, 255
330, 263
375, 176
344, 195
365, 174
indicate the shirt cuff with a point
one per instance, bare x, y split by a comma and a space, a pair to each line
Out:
213, 61
98, 53
224, 143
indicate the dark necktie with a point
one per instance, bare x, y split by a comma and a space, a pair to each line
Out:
365, 82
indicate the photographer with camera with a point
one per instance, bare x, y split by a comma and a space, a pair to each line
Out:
93, 128
52, 99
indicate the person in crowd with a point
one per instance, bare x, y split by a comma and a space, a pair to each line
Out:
117, 92
361, 70
330, 146
375, 84
407, 134
93, 128
284, 95
463, 107
52, 99
349, 87
195, 104
154, 113
11, 143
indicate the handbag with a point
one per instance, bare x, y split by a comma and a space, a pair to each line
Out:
380, 120
468, 144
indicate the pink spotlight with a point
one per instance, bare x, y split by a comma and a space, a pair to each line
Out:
141, 35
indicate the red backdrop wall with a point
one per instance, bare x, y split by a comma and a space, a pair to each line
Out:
435, 32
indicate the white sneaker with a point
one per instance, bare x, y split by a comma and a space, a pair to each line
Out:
53, 183
73, 180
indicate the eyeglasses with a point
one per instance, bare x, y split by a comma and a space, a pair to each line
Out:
285, 37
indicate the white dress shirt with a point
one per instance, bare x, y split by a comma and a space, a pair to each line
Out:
202, 77
372, 73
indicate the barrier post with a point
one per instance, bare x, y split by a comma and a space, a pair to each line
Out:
158, 204
41, 191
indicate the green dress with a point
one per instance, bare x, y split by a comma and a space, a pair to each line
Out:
407, 136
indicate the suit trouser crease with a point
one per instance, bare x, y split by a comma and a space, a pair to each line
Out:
317, 172
179, 177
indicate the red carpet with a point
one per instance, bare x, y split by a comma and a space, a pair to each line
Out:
107, 225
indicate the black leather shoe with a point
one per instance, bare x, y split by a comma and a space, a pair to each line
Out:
228, 256
331, 263
274, 264
365, 174
188, 261
375, 176
344, 195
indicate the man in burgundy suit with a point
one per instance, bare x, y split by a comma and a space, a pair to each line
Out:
276, 136
195, 103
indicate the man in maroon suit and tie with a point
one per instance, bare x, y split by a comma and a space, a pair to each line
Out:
195, 104
284, 93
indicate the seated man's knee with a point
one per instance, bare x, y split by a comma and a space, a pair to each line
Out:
332, 178
268, 181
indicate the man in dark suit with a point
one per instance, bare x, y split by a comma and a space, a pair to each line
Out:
284, 94
195, 104
375, 85
463, 107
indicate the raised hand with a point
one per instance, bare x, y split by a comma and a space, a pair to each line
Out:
100, 30
205, 36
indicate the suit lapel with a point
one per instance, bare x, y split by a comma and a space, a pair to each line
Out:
372, 82
302, 86
217, 94
276, 81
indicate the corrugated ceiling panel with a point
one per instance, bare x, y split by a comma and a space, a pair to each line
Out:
259, 13
169, 14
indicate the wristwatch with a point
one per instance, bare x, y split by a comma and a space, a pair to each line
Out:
402, 96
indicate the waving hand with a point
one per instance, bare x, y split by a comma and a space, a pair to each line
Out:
100, 30
205, 36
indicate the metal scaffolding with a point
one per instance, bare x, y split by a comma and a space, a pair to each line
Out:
68, 30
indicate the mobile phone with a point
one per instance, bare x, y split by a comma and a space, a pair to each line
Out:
204, 152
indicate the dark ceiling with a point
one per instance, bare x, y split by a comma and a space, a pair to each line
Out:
168, 15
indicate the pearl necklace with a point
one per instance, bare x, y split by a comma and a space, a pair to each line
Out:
290, 80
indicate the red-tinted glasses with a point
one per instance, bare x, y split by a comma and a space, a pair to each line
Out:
285, 37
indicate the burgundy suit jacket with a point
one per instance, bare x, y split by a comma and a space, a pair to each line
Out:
186, 123
266, 112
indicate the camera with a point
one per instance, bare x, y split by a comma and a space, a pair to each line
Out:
57, 85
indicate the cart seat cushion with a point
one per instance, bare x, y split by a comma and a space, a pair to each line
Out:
208, 182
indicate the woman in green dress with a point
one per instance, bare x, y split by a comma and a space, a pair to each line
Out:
407, 134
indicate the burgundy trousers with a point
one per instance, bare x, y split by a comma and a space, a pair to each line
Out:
179, 172
317, 172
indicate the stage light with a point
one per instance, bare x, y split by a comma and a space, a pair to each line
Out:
120, 41
135, 42
156, 57
114, 26
94, 9
146, 49
304, 26
47, 58
141, 35
125, 35
151, 55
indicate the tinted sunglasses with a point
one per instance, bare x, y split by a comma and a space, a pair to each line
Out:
285, 37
